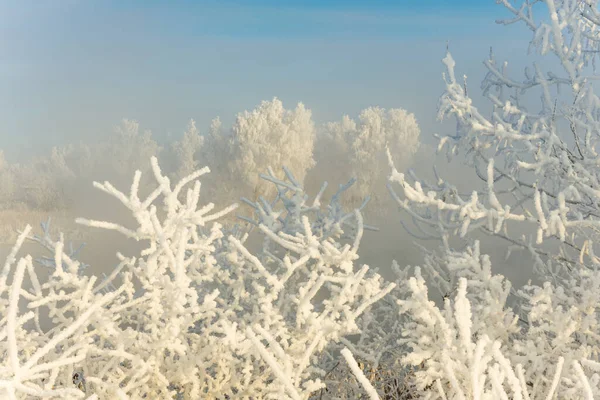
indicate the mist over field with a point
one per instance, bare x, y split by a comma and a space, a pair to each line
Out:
74, 78
326, 199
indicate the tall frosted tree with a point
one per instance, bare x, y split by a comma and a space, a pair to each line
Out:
356, 149
271, 136
185, 151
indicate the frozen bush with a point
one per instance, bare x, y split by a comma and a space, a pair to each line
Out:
195, 314
537, 168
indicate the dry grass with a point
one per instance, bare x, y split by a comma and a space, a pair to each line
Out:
15, 219
392, 383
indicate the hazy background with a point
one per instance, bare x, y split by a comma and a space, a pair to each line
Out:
71, 70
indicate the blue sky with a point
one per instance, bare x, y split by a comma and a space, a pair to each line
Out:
71, 69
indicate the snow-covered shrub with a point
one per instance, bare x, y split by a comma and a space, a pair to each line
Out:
538, 169
546, 159
377, 350
476, 347
194, 315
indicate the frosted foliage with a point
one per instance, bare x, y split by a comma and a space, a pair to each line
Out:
216, 146
358, 147
194, 315
42, 181
271, 136
128, 149
203, 311
49, 182
458, 360
76, 160
476, 347
185, 151
538, 168
216, 153
538, 173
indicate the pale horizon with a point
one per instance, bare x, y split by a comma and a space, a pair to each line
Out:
72, 70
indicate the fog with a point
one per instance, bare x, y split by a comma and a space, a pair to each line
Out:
71, 73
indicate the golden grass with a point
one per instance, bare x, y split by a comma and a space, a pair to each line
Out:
14, 220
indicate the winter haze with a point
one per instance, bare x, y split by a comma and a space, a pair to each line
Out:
329, 199
71, 71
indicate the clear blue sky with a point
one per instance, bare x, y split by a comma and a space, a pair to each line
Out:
72, 69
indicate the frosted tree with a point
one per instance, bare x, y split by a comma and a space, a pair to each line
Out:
539, 170
271, 136
126, 150
356, 148
536, 168
216, 145
184, 153
216, 153
79, 158
43, 181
